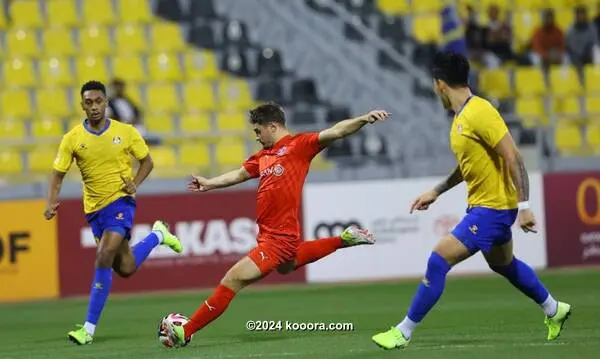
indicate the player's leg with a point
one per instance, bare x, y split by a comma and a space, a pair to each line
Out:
502, 261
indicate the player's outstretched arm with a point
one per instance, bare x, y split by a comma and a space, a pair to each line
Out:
202, 184
423, 202
56, 181
348, 127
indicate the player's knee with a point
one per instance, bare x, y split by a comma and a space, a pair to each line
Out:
232, 283
105, 257
286, 268
124, 272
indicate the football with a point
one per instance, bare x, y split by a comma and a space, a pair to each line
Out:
164, 329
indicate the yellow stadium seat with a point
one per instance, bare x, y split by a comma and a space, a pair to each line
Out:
135, 94
163, 156
235, 94
19, 72
495, 83
201, 65
62, 13
195, 123
194, 155
26, 14
54, 102
530, 4
502, 4
11, 161
91, 68
98, 12
131, 38
12, 130
567, 106
58, 41
564, 81
427, 6
129, 68
524, 25
199, 96
230, 151
231, 121
164, 67
166, 37
41, 159
132, 11
74, 122
47, 128
592, 136
161, 124
16, 103
591, 79
394, 7
567, 137
95, 40
592, 105
530, 109
427, 28
162, 98
22, 42
564, 19
3, 22
56, 72
529, 81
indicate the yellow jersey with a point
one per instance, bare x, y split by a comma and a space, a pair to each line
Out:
102, 157
475, 131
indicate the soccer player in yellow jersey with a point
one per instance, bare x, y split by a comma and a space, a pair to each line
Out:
102, 149
498, 194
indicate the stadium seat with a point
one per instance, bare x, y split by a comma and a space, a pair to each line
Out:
62, 13
41, 158
230, 121
564, 19
163, 156
159, 124
162, 98
22, 42
129, 68
59, 41
495, 83
12, 130
95, 40
567, 137
524, 25
564, 81
134, 11
191, 123
592, 105
19, 72
194, 155
529, 81
11, 162
98, 12
230, 152
199, 96
16, 103
502, 4
530, 4
56, 71
74, 122
427, 28
164, 67
567, 107
47, 128
394, 7
591, 76
54, 102
91, 67
131, 38
135, 93
531, 110
25, 14
166, 37
3, 21
427, 6
234, 94
592, 136
200, 65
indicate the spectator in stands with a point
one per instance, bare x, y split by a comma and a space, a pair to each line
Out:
498, 39
582, 39
475, 36
548, 43
121, 107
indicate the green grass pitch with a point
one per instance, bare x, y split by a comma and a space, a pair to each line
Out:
478, 317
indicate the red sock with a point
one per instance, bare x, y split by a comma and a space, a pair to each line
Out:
311, 251
210, 310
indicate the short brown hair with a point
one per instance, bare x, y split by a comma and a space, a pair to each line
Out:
267, 113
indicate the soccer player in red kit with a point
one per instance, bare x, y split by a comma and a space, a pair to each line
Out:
281, 167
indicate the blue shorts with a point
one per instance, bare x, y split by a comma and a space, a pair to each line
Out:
483, 228
117, 217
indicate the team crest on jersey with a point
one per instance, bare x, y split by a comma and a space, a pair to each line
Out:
116, 140
82, 146
282, 151
278, 170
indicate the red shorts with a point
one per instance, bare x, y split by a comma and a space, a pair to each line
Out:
271, 252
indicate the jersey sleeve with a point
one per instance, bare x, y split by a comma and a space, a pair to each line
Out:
251, 166
489, 126
138, 147
309, 144
64, 157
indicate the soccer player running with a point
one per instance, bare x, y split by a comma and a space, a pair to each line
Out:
498, 193
281, 167
102, 148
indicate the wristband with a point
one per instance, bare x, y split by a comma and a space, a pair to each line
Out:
523, 205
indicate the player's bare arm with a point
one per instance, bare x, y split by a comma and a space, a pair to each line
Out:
348, 127
146, 167
202, 184
511, 155
56, 181
423, 202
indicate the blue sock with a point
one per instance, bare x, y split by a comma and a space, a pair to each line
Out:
99, 294
142, 249
431, 289
524, 278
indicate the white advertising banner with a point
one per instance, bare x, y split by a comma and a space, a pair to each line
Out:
404, 241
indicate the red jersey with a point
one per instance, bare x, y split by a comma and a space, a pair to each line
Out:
282, 172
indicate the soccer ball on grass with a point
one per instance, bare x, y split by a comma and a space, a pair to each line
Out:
165, 331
